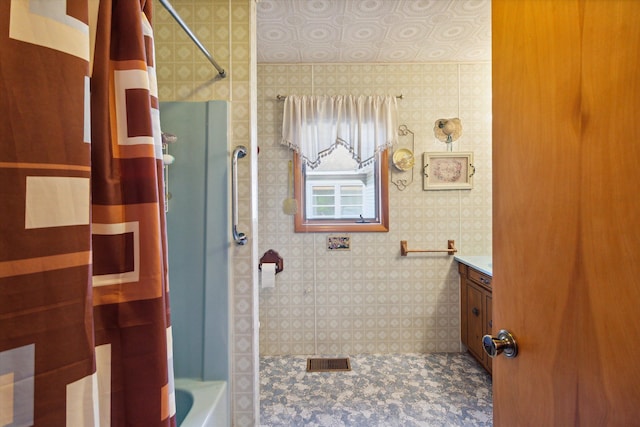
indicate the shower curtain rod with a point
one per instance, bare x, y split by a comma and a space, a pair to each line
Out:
283, 97
193, 37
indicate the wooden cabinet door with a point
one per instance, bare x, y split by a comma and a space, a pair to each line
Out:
464, 306
475, 324
566, 148
488, 322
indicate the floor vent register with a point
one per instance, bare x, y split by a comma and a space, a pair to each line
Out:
336, 364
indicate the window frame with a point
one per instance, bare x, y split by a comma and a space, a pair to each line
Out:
302, 224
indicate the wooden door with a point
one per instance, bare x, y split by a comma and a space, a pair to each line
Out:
566, 163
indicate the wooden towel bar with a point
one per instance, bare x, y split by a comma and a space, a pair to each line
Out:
451, 248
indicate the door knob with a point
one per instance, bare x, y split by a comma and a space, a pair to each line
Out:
505, 342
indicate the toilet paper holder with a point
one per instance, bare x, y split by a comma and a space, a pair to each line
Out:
272, 256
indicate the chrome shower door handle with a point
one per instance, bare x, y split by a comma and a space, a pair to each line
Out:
239, 152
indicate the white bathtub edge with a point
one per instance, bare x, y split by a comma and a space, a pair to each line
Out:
209, 403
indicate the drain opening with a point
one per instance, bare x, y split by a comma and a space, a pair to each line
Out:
328, 364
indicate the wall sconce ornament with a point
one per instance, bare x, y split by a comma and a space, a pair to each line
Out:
448, 130
403, 159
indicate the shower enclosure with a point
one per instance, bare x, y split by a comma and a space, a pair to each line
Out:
198, 237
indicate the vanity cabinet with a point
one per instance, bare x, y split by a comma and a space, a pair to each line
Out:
476, 319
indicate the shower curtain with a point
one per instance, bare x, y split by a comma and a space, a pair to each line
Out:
85, 336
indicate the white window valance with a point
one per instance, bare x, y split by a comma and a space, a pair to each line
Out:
314, 125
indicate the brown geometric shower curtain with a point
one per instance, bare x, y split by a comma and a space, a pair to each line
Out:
85, 337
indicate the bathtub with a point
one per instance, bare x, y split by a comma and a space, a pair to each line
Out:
201, 403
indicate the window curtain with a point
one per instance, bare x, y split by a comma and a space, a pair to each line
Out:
314, 125
85, 337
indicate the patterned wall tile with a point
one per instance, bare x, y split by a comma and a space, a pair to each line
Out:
184, 74
373, 301
369, 299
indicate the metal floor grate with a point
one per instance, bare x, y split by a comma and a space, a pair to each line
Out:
328, 364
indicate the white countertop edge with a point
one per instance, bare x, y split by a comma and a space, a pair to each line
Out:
482, 263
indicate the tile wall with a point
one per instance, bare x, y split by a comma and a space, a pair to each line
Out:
369, 299
225, 27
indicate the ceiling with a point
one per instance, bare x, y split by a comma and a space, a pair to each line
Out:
401, 31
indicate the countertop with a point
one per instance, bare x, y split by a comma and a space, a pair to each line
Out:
483, 263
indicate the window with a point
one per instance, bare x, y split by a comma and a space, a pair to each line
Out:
339, 196
334, 199
343, 182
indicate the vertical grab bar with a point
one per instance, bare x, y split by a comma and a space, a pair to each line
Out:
239, 152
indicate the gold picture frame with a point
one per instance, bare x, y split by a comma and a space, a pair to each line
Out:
448, 171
